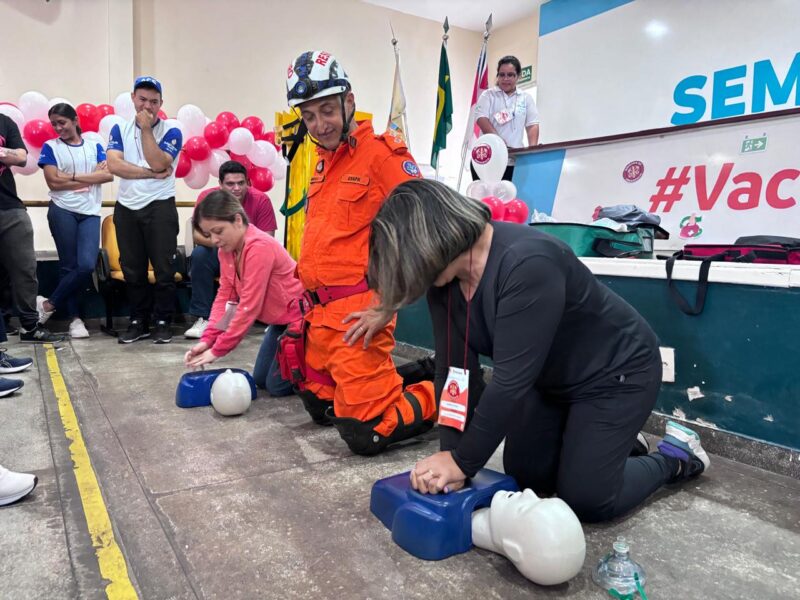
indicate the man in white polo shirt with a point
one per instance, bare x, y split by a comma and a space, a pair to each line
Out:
508, 112
143, 154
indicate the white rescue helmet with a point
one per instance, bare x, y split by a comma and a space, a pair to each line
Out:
315, 74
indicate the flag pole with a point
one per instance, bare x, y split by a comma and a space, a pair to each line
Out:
471, 117
446, 27
406, 131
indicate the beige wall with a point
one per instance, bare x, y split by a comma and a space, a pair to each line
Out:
520, 39
205, 56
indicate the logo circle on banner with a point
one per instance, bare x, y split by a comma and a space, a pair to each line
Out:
482, 153
633, 171
453, 390
411, 168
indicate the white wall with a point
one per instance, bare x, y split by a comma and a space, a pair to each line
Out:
617, 71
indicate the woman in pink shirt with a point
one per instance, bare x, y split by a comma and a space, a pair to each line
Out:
257, 283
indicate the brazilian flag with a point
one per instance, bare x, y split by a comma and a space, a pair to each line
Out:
444, 109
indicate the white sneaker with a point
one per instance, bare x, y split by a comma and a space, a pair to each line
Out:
14, 486
195, 332
77, 329
43, 314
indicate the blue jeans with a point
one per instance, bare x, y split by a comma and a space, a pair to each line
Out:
204, 268
267, 373
77, 240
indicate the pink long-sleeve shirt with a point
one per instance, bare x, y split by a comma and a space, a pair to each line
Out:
264, 292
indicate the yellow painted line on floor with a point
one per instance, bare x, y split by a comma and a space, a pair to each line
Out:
112, 563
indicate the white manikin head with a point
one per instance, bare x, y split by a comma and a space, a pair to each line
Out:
542, 537
230, 393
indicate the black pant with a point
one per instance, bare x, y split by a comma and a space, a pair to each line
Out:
580, 450
507, 175
18, 258
150, 233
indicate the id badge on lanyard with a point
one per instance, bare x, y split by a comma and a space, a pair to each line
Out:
503, 116
454, 400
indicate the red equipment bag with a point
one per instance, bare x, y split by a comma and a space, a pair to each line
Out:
760, 249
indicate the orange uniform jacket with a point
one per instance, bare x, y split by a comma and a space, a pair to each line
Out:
346, 192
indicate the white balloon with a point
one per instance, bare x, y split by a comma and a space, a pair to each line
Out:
214, 162
31, 164
54, 101
33, 105
197, 177
478, 190
123, 106
490, 157
262, 154
93, 137
278, 168
174, 123
231, 394
106, 123
13, 113
505, 190
192, 119
542, 537
241, 140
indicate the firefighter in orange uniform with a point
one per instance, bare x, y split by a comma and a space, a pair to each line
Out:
351, 380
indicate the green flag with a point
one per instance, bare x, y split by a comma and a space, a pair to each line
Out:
444, 109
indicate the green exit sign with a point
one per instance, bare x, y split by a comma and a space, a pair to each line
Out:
758, 144
525, 75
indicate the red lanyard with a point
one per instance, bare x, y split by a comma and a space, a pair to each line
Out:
466, 327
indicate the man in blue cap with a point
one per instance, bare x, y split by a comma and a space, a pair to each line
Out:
143, 153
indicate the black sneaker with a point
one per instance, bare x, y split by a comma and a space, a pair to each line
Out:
420, 370
39, 335
10, 329
641, 447
162, 333
137, 330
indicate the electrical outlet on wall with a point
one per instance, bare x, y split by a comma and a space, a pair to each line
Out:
668, 364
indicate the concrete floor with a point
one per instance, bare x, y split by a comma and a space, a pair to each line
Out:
267, 505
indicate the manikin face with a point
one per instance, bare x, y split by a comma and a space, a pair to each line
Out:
237, 184
542, 537
65, 128
224, 235
507, 78
323, 118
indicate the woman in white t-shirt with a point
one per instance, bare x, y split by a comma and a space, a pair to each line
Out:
74, 170
508, 112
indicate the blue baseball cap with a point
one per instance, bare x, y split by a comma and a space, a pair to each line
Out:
148, 80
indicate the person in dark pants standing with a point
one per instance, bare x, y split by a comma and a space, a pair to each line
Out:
17, 254
143, 154
576, 369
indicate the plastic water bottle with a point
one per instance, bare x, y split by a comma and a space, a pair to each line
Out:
616, 571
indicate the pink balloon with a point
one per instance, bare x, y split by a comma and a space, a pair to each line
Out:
216, 134
197, 176
214, 162
255, 125
184, 166
261, 178
516, 211
496, 206
197, 148
31, 164
37, 132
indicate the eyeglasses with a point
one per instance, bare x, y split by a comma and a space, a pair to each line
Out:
506, 75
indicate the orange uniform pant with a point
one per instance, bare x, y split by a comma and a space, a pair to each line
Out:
367, 383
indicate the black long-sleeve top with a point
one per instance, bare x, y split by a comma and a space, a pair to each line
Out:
549, 327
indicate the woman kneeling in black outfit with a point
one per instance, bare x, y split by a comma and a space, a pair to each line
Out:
576, 369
